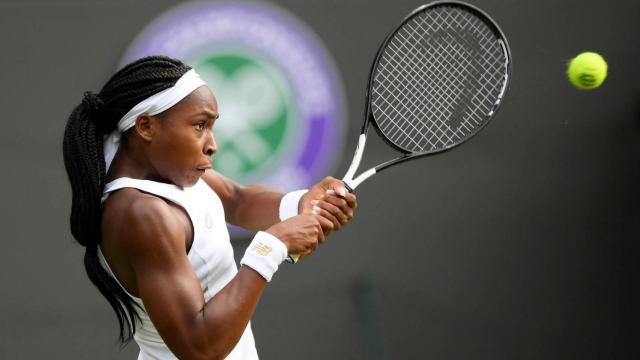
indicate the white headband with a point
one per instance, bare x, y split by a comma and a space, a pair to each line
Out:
152, 105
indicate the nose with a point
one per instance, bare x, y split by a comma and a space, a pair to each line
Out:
210, 146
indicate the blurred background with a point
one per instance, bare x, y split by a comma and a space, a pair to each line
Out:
521, 244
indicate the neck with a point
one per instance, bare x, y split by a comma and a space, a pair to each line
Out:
132, 163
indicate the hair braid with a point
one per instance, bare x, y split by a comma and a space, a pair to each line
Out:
83, 153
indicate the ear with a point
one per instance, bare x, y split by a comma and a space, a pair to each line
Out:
146, 126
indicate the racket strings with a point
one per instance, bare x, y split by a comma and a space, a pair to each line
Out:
407, 93
465, 58
438, 79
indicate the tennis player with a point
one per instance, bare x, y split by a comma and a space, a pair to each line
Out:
151, 213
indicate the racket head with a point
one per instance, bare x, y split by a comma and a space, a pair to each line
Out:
438, 78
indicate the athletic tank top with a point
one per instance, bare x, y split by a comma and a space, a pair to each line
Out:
211, 257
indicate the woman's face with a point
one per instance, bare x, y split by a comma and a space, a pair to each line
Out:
182, 143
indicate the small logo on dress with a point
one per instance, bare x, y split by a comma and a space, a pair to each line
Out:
208, 221
262, 249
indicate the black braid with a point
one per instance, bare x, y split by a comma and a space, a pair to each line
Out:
97, 115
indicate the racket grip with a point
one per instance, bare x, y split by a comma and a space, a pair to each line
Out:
349, 188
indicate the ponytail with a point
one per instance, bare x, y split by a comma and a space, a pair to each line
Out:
96, 116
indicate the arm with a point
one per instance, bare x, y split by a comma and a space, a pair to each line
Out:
256, 207
154, 242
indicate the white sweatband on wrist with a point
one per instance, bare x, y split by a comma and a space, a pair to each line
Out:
265, 253
289, 204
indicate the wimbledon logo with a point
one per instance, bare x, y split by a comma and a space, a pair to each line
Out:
279, 96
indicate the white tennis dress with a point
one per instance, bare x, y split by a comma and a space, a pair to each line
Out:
211, 257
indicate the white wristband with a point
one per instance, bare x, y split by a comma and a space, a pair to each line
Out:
289, 204
265, 253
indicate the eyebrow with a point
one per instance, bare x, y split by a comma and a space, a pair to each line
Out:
208, 114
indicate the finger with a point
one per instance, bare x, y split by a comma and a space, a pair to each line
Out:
341, 214
313, 241
319, 232
321, 237
337, 207
317, 210
303, 254
351, 200
328, 183
339, 191
326, 225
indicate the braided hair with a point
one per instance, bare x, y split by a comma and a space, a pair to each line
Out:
96, 116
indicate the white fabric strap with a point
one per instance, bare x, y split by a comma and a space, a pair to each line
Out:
153, 105
289, 204
265, 253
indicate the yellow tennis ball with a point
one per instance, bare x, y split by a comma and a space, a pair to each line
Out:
587, 70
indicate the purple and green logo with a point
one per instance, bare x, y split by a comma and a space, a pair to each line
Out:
279, 94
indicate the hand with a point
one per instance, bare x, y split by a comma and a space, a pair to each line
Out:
330, 200
301, 234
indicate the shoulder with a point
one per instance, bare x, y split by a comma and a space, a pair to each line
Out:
219, 183
230, 192
139, 221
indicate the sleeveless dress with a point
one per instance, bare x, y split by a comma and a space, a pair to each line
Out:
211, 257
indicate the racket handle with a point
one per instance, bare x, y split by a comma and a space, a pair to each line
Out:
346, 185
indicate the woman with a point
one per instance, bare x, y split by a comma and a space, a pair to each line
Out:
151, 214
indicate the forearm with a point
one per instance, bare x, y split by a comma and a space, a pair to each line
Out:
224, 317
253, 207
212, 329
257, 208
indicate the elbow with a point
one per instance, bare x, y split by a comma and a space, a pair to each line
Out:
209, 348
208, 352
208, 356
208, 337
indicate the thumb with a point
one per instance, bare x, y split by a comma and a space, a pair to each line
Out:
337, 188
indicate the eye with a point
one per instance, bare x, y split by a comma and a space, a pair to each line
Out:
200, 125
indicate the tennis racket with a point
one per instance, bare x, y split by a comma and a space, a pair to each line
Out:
436, 81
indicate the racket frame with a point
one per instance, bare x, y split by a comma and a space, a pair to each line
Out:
350, 182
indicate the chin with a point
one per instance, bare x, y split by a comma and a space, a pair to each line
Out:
190, 180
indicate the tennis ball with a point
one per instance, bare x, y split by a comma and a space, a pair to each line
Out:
587, 70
